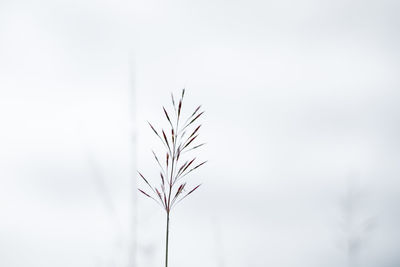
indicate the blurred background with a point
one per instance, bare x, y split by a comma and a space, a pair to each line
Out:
302, 125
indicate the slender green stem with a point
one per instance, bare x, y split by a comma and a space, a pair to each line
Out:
166, 241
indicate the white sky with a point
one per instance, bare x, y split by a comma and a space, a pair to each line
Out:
299, 96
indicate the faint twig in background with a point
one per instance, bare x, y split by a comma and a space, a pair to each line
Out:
147, 244
179, 140
105, 195
148, 250
219, 246
104, 192
354, 226
133, 227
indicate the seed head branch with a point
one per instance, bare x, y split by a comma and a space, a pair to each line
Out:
176, 144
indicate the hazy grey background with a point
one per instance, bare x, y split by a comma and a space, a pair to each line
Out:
302, 128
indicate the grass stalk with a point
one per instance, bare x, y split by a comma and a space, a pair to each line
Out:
167, 241
172, 189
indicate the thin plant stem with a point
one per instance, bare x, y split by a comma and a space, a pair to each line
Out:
166, 241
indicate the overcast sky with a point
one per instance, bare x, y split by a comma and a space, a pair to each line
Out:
302, 122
